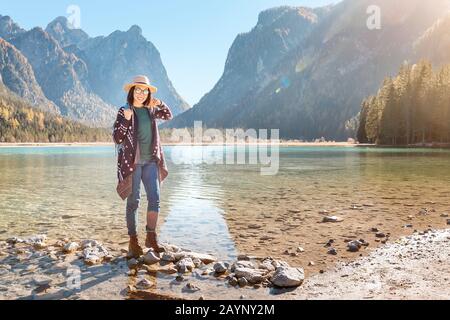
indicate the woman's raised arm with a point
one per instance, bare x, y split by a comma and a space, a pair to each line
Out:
162, 110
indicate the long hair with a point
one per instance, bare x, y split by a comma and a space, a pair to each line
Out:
130, 97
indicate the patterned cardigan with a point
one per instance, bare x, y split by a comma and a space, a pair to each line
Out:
125, 137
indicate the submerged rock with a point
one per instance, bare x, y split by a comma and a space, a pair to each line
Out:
185, 265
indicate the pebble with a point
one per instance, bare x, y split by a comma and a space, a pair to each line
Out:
179, 278
354, 246
332, 219
132, 263
242, 282
190, 287
233, 281
332, 251
144, 284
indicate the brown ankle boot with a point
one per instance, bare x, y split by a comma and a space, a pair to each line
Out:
152, 242
134, 249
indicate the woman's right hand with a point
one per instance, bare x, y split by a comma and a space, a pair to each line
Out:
128, 113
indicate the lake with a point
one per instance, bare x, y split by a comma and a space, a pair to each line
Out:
224, 208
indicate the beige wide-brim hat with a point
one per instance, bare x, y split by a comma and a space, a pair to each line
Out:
141, 81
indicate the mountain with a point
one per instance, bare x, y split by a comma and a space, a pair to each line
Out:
317, 81
18, 76
63, 78
64, 33
63, 70
130, 54
434, 44
21, 122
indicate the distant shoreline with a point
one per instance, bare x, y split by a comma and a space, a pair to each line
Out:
282, 143
77, 144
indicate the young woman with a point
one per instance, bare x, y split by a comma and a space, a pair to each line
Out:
140, 158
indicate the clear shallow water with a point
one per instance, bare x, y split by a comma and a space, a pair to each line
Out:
70, 191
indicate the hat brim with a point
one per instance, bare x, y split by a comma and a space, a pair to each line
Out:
127, 87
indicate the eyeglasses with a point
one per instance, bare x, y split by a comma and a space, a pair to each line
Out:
139, 91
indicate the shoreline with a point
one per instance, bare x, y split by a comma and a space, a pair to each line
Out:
411, 267
77, 144
287, 143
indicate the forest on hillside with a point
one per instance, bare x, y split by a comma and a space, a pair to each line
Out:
411, 108
20, 122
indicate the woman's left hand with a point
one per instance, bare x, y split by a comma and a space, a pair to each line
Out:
154, 103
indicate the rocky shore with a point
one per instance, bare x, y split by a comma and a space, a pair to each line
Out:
412, 267
38, 268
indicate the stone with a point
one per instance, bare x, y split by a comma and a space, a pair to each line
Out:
190, 287
332, 251
132, 263
92, 259
150, 258
332, 219
300, 249
448, 221
71, 247
197, 262
38, 241
279, 263
286, 277
233, 281
242, 264
94, 255
14, 240
169, 248
380, 235
242, 282
243, 257
89, 244
179, 278
220, 267
144, 284
42, 280
205, 258
185, 265
267, 265
168, 256
251, 275
354, 246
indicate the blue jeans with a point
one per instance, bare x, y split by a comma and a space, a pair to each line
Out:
147, 172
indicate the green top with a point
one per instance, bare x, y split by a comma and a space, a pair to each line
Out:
144, 133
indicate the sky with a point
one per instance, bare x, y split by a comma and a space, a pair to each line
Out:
193, 37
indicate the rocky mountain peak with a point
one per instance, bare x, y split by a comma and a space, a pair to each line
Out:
64, 33
8, 28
